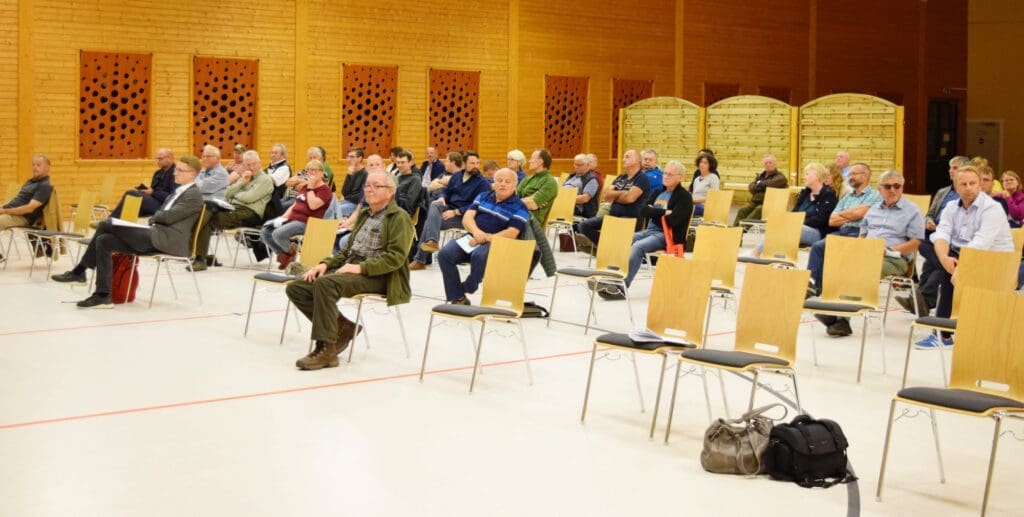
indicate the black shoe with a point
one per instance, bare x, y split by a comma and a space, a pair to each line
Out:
826, 319
840, 328
97, 301
461, 301
611, 293
198, 264
68, 277
211, 260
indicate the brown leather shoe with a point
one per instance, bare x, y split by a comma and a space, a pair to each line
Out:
417, 266
347, 331
326, 357
429, 246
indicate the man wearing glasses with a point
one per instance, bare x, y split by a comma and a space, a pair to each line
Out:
372, 261
352, 189
896, 220
212, 180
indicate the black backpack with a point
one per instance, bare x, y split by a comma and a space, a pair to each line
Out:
809, 452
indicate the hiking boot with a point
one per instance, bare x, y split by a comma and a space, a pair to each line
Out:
461, 301
211, 260
347, 331
97, 301
68, 277
198, 264
429, 246
840, 328
908, 304
326, 357
317, 347
417, 266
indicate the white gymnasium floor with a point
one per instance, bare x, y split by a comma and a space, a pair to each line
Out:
170, 411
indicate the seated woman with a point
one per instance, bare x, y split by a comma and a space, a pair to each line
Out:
706, 180
499, 213
1014, 198
312, 201
816, 201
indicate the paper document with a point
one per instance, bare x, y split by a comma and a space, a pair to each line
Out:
463, 243
275, 222
121, 222
649, 336
224, 204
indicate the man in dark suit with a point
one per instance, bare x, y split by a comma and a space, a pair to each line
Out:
159, 188
169, 232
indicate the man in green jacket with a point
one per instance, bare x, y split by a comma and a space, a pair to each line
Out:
538, 191
373, 261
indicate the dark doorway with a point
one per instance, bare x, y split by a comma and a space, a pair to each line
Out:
943, 119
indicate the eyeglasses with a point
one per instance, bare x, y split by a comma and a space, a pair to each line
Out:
890, 186
375, 187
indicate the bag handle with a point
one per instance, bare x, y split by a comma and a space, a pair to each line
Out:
749, 415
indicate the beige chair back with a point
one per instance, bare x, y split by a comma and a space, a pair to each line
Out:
782, 236
563, 178
106, 191
720, 246
988, 351
508, 266
983, 269
195, 232
776, 200
717, 206
11, 191
563, 207
130, 209
614, 244
1018, 239
852, 269
922, 201
318, 241
772, 303
80, 223
677, 305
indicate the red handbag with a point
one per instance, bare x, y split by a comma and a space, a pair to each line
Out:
671, 248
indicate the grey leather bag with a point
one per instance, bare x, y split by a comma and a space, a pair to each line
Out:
737, 446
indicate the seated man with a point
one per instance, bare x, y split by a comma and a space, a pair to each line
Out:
627, 195
587, 186
448, 211
352, 189
212, 179
538, 190
846, 217
673, 202
410, 184
499, 213
161, 186
28, 205
895, 219
373, 261
170, 231
770, 177
649, 164
313, 199
248, 196
973, 221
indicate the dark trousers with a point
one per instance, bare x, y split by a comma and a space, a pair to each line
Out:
939, 276
591, 228
318, 300
149, 206
220, 219
107, 240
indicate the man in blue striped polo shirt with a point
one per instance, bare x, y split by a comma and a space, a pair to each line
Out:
499, 213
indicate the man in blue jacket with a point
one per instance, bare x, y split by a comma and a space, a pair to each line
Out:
447, 212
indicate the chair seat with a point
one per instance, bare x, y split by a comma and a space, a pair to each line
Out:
720, 289
753, 221
732, 358
959, 399
763, 261
932, 321
815, 304
584, 272
54, 233
624, 341
278, 278
471, 311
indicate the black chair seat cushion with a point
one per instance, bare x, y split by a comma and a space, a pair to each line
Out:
963, 400
754, 221
932, 321
53, 233
815, 304
471, 311
731, 358
624, 341
584, 272
763, 261
279, 278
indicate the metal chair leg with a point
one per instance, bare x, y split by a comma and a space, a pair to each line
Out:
401, 328
152, 291
814, 343
721, 385
885, 452
796, 393
942, 366
938, 450
863, 340
707, 395
991, 463
526, 355
551, 310
359, 321
906, 360
590, 376
170, 278
248, 314
195, 282
753, 390
426, 346
284, 324
476, 362
672, 402
639, 389
590, 309
629, 305
657, 397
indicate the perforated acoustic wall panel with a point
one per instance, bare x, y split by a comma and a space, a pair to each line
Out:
369, 95
454, 105
624, 93
113, 105
224, 103
565, 114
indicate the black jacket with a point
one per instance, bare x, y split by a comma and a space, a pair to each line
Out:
163, 183
821, 208
681, 205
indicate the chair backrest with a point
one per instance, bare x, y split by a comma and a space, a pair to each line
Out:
776, 200
677, 305
983, 269
563, 178
613, 246
852, 268
51, 219
318, 241
782, 236
717, 206
772, 303
1018, 239
720, 246
106, 191
609, 180
195, 232
11, 191
131, 208
988, 351
564, 205
508, 267
922, 201
86, 199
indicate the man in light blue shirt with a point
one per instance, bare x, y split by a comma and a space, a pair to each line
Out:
212, 181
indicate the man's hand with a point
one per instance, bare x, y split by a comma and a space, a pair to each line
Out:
530, 203
448, 214
929, 225
344, 224
315, 273
949, 264
146, 190
351, 269
479, 237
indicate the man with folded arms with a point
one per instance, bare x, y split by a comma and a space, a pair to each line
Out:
372, 261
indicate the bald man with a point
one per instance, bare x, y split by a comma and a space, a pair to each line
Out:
161, 186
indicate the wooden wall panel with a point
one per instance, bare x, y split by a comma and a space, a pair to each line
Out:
113, 105
742, 130
995, 47
454, 110
565, 115
224, 103
669, 125
369, 96
624, 93
9, 172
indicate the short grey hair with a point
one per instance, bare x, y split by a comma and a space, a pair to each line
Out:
516, 155
817, 169
891, 173
390, 179
314, 150
677, 165
651, 152
581, 157
284, 150
593, 159
212, 149
250, 155
959, 161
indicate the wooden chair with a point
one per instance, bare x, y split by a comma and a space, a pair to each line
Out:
677, 309
850, 285
982, 269
1018, 239
131, 208
50, 222
561, 215
922, 201
719, 246
161, 258
767, 328
716, 207
106, 198
611, 267
508, 265
776, 200
317, 243
781, 240
563, 178
988, 374
59, 240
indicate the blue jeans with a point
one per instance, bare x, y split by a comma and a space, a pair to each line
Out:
448, 260
433, 226
347, 207
591, 228
816, 260
278, 239
698, 209
809, 236
643, 243
1020, 276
